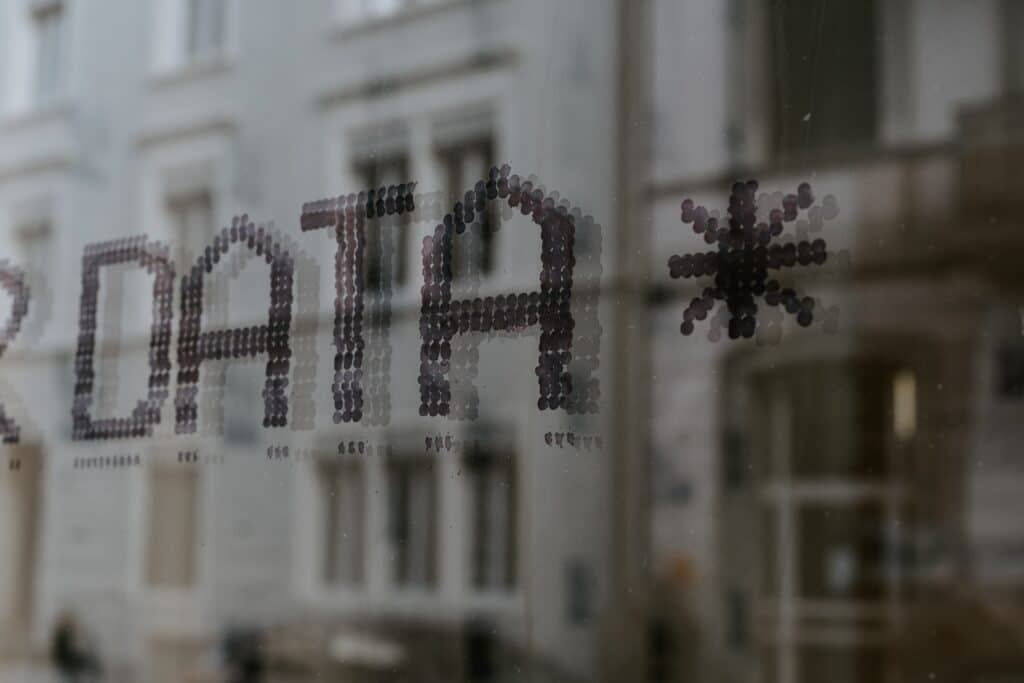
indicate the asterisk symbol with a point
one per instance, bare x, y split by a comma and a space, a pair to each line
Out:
745, 256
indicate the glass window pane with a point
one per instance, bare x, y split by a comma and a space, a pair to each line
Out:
837, 420
386, 249
771, 586
205, 26
192, 224
812, 43
412, 488
492, 502
1013, 46
843, 552
344, 507
49, 38
472, 251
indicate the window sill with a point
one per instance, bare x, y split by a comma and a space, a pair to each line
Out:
839, 153
38, 114
848, 159
402, 602
196, 69
349, 28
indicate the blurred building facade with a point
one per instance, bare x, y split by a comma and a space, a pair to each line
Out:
166, 118
826, 505
837, 506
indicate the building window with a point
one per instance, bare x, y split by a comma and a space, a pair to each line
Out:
171, 542
824, 79
472, 251
737, 620
48, 27
412, 523
1013, 46
205, 28
735, 461
829, 520
492, 505
385, 256
191, 215
842, 551
846, 436
33, 244
20, 506
579, 592
343, 494
1010, 371
239, 385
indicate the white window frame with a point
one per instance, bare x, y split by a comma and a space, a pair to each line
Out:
171, 33
20, 52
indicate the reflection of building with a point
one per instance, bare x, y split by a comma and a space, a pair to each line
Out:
167, 117
835, 507
849, 494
